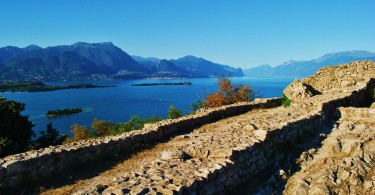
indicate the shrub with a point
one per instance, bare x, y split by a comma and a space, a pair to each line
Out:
228, 93
196, 106
285, 101
79, 133
174, 113
215, 100
102, 128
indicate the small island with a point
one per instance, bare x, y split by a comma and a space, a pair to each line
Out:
63, 112
29, 86
155, 84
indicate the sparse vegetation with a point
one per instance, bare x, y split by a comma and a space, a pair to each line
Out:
101, 128
174, 113
79, 133
285, 101
196, 106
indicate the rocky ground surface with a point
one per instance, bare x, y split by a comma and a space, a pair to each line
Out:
345, 163
170, 166
342, 164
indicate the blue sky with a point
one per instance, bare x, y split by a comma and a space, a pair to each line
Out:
241, 33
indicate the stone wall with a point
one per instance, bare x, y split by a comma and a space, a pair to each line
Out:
331, 78
218, 158
254, 161
345, 162
37, 165
221, 158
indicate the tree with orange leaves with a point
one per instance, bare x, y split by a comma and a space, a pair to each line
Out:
228, 93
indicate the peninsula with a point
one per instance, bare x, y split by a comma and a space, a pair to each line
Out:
28, 86
155, 84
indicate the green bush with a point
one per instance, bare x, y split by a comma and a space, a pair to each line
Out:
174, 113
196, 106
285, 101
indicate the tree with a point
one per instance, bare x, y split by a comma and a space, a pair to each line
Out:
228, 93
174, 113
49, 137
15, 129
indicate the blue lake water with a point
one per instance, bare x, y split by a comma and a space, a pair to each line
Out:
119, 103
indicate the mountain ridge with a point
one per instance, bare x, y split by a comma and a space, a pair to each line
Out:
303, 68
86, 61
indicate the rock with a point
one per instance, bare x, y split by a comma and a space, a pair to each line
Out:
249, 127
299, 90
173, 154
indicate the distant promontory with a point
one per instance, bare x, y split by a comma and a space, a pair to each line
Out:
28, 86
156, 84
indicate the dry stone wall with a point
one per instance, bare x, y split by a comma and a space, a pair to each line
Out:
36, 165
331, 78
212, 159
345, 163
219, 157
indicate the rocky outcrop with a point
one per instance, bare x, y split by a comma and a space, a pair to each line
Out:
346, 161
331, 78
299, 90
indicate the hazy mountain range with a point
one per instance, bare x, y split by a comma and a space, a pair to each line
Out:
308, 67
190, 65
82, 61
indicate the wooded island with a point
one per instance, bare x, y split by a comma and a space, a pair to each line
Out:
62, 112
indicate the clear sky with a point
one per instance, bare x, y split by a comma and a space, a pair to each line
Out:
241, 33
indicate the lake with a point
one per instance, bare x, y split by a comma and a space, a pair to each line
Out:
119, 103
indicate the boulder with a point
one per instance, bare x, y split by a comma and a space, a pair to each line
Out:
299, 90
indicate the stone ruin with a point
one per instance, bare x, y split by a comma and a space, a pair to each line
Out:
258, 147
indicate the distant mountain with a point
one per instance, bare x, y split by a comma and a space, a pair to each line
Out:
193, 66
67, 62
258, 69
142, 59
82, 61
200, 67
165, 68
309, 67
